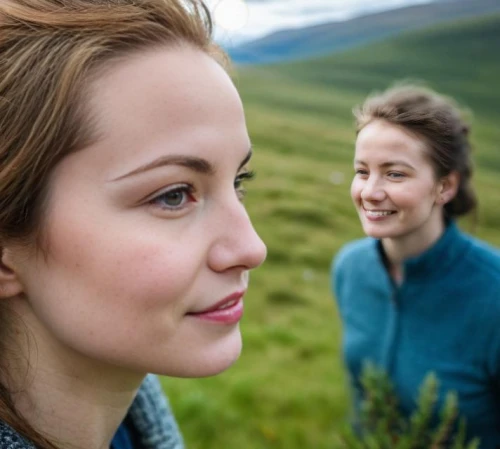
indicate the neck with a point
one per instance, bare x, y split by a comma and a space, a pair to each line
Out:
67, 398
73, 414
401, 248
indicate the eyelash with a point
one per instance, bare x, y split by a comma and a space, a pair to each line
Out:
243, 177
396, 175
188, 191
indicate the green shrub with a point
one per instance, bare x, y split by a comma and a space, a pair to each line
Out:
382, 426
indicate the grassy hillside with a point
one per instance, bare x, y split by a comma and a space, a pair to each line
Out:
288, 389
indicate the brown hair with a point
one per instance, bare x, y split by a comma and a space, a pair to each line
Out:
439, 122
49, 51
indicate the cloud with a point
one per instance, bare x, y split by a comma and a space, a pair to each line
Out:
266, 16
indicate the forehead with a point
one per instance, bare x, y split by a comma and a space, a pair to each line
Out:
166, 100
173, 85
381, 140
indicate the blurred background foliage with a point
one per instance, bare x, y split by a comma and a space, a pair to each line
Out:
288, 390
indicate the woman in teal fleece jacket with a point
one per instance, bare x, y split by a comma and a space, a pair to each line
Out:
125, 246
418, 294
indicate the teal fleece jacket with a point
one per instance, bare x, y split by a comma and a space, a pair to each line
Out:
444, 317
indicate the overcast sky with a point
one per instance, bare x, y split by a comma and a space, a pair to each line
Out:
265, 16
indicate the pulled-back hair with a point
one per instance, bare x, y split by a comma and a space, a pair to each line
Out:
438, 121
50, 50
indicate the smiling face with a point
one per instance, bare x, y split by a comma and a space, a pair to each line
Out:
148, 242
394, 188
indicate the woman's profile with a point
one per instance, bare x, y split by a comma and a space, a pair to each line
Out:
125, 246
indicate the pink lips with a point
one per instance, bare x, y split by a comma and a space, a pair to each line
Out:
226, 311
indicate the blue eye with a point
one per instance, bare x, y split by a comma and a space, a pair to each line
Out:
173, 198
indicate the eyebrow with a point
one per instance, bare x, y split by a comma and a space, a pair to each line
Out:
196, 164
387, 164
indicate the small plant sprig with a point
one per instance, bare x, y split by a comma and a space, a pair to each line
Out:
382, 426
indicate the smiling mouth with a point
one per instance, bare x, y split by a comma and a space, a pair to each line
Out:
379, 213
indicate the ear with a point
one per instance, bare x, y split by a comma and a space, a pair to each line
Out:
447, 188
10, 284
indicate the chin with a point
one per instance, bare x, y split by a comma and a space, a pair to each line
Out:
207, 360
370, 232
377, 233
373, 231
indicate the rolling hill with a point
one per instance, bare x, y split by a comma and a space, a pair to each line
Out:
326, 38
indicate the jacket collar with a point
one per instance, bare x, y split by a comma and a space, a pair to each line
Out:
443, 254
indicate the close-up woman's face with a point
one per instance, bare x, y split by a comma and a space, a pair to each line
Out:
394, 187
148, 243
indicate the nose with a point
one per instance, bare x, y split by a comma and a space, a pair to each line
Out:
236, 243
372, 190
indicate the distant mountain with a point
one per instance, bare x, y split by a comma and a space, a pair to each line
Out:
318, 40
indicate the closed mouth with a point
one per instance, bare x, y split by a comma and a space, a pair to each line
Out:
227, 311
226, 303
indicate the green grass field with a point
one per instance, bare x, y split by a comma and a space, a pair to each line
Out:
288, 390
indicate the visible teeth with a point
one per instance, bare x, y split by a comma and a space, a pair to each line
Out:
378, 213
228, 304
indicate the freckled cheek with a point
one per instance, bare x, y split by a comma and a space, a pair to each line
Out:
117, 258
143, 274
160, 274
